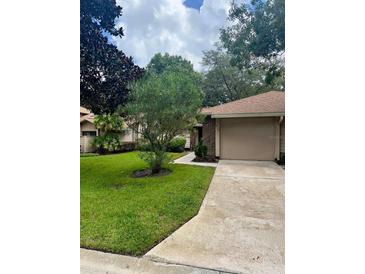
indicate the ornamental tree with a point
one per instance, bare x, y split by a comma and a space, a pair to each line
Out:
162, 106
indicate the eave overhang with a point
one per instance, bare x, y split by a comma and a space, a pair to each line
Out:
237, 115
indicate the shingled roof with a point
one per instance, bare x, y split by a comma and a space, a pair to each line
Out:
88, 118
84, 110
268, 102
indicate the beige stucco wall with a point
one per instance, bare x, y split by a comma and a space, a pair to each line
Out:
86, 144
86, 141
87, 126
249, 138
127, 136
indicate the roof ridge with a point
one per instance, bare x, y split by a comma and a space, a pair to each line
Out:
258, 103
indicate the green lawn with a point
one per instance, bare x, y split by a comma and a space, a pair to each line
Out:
126, 215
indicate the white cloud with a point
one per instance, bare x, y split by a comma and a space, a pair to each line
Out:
168, 26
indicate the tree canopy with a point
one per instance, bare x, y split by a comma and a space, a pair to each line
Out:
105, 71
160, 63
224, 82
173, 63
249, 57
257, 30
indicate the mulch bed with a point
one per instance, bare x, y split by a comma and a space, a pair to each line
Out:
205, 159
148, 173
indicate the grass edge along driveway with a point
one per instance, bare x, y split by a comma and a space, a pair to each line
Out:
125, 215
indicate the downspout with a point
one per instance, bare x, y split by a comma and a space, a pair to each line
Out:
279, 135
217, 138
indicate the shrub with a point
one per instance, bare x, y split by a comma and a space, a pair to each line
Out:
107, 143
177, 144
143, 146
130, 146
201, 150
154, 160
109, 123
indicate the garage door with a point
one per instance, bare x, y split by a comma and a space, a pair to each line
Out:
247, 138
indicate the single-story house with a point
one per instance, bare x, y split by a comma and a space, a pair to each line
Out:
88, 132
252, 128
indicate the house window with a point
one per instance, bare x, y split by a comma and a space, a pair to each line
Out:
89, 133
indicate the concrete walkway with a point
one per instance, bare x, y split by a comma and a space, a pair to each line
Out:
240, 226
188, 160
95, 262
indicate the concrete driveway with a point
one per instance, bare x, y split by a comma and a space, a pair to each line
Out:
96, 262
240, 226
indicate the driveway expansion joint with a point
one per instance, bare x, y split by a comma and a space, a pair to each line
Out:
161, 260
96, 262
249, 177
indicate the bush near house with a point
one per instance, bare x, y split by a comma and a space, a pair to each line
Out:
201, 154
201, 150
143, 146
107, 143
110, 126
175, 145
130, 146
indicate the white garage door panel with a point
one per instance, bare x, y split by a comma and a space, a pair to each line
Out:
247, 138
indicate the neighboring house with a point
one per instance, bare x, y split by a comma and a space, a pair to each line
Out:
187, 137
84, 111
252, 128
88, 132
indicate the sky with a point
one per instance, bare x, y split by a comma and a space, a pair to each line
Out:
152, 26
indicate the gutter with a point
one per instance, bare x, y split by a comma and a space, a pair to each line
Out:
261, 114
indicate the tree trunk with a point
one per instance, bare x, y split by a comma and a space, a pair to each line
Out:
157, 164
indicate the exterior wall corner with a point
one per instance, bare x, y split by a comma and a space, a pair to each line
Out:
217, 137
209, 135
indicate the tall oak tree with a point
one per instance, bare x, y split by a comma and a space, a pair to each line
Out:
105, 71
